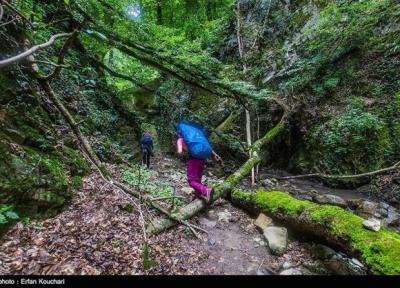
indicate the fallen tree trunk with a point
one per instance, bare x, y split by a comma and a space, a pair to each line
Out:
380, 251
224, 188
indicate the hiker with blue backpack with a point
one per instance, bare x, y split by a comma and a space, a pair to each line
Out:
193, 139
147, 148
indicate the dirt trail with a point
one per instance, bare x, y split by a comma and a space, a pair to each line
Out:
98, 234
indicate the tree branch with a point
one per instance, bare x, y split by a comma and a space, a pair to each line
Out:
61, 56
32, 50
1, 11
327, 176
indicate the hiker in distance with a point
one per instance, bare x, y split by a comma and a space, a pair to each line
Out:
147, 148
194, 141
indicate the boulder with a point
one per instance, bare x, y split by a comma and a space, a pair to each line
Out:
331, 200
262, 221
277, 238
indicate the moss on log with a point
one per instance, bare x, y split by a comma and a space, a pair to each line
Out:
380, 251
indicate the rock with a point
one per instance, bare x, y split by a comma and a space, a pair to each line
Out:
211, 242
291, 271
210, 214
322, 252
356, 262
354, 203
268, 184
187, 190
382, 212
262, 221
277, 239
372, 224
331, 199
383, 205
224, 216
355, 267
393, 218
287, 265
367, 209
208, 223
305, 197
337, 266
261, 272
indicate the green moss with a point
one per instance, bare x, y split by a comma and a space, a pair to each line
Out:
148, 262
76, 182
75, 161
379, 250
277, 200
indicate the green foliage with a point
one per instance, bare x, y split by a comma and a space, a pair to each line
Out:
148, 181
342, 142
148, 262
7, 214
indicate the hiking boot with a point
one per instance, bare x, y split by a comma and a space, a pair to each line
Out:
195, 196
209, 196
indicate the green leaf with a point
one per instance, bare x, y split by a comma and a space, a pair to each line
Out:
11, 215
3, 219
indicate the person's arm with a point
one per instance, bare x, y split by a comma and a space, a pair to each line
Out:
216, 156
179, 146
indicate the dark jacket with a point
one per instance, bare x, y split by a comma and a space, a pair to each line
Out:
147, 144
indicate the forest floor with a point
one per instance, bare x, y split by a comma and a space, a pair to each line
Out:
96, 234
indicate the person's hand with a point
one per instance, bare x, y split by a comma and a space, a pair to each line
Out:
217, 157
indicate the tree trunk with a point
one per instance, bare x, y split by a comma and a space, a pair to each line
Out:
159, 12
242, 58
380, 251
248, 136
223, 189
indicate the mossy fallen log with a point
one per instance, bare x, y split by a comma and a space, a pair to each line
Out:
380, 251
186, 212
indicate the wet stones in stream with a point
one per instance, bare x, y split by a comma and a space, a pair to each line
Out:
330, 262
330, 200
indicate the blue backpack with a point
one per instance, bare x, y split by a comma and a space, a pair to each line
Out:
196, 139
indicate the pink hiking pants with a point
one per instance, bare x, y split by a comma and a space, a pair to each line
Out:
195, 169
